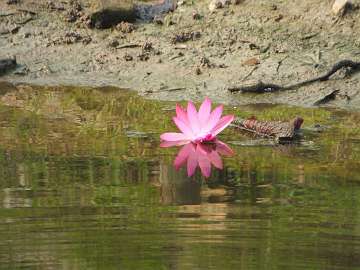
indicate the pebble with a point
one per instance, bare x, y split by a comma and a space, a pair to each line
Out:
7, 64
158, 20
216, 4
113, 43
196, 15
12, 2
251, 62
181, 2
198, 71
125, 27
128, 57
339, 6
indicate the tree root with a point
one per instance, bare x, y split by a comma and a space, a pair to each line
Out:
261, 87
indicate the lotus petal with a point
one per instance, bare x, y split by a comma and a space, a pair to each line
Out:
182, 115
184, 128
222, 124
192, 162
165, 144
224, 149
173, 136
204, 162
213, 119
193, 118
215, 159
183, 155
204, 112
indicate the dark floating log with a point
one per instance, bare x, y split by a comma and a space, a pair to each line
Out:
282, 131
7, 64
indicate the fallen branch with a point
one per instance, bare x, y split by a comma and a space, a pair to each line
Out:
172, 89
128, 46
261, 87
26, 21
327, 98
6, 14
249, 74
27, 11
165, 90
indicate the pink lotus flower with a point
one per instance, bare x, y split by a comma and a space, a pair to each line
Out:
203, 155
196, 127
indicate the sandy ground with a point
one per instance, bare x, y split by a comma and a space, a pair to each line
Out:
272, 41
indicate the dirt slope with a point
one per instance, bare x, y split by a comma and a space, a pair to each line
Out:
273, 41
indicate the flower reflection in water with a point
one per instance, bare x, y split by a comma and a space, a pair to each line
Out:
203, 155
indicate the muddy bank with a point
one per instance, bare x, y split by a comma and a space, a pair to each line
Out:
191, 52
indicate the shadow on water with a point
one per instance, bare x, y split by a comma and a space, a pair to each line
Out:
84, 185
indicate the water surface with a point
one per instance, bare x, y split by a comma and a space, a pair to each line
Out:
84, 185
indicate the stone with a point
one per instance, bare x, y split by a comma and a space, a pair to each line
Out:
128, 57
339, 6
158, 19
125, 27
110, 17
147, 12
114, 11
7, 65
216, 4
181, 2
113, 43
12, 2
196, 15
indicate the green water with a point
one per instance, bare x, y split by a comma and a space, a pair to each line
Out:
84, 185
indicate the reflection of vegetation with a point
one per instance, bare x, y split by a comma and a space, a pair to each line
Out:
283, 113
86, 193
334, 152
83, 118
95, 122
